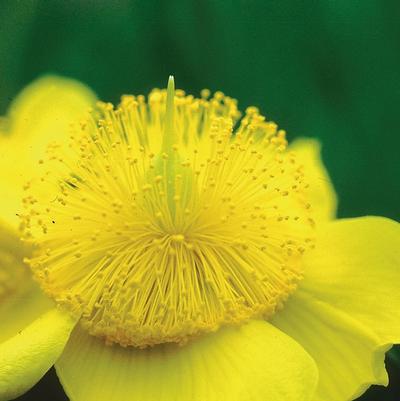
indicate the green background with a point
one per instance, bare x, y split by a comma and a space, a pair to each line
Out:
328, 69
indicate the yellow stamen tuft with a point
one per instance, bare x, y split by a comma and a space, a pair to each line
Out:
161, 221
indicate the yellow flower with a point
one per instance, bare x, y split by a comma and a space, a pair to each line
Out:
194, 256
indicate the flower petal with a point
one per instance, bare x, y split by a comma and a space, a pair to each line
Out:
21, 309
362, 276
21, 300
252, 362
322, 194
40, 114
27, 356
44, 109
346, 313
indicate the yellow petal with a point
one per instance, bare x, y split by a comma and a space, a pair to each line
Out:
346, 313
362, 275
27, 356
21, 300
322, 194
255, 362
21, 309
44, 110
40, 114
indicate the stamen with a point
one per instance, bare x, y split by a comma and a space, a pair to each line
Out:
159, 222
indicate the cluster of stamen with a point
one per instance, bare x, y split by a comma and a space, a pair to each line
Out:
161, 221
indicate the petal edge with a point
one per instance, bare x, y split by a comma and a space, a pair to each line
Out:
26, 357
322, 194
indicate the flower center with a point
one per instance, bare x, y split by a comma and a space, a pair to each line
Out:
161, 222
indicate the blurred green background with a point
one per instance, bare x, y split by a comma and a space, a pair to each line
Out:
328, 69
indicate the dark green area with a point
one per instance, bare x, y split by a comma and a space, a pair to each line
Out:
326, 69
